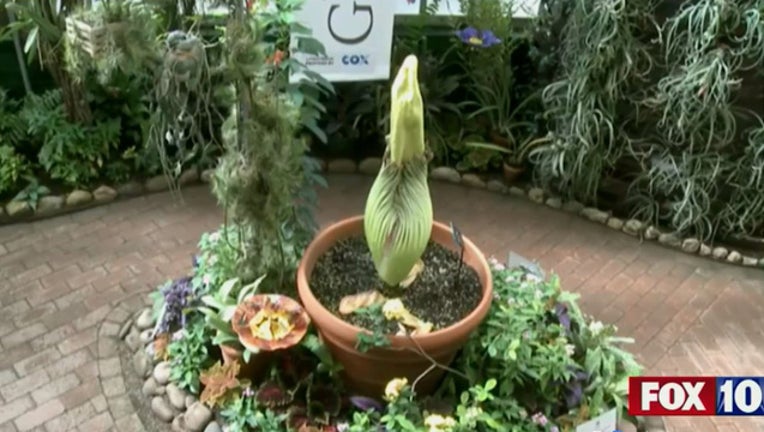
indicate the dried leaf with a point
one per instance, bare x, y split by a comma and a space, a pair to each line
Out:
160, 346
395, 310
352, 303
415, 271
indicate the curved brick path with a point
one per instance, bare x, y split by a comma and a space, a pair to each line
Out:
60, 278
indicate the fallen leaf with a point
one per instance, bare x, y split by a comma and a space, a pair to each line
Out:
418, 267
352, 303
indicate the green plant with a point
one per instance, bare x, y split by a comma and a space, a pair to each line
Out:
244, 415
69, 152
516, 153
32, 193
13, 167
375, 323
189, 354
604, 61
700, 175
398, 215
218, 259
128, 42
281, 27
220, 306
486, 41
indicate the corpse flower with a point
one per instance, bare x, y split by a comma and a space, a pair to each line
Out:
269, 322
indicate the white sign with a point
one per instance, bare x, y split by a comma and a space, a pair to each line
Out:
357, 36
606, 422
520, 8
407, 7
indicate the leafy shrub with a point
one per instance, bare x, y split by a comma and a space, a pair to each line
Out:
68, 152
189, 354
13, 167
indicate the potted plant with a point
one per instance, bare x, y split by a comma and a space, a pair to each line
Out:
420, 282
516, 153
219, 309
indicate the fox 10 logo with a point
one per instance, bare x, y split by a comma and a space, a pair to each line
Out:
696, 396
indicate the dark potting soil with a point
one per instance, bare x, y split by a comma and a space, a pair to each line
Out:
347, 269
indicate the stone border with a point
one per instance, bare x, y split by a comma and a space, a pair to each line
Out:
79, 199
632, 227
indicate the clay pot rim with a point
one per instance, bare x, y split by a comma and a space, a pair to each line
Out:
313, 306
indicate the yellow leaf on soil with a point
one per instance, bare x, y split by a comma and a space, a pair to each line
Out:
418, 267
352, 303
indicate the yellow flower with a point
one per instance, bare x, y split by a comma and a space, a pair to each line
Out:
394, 387
439, 423
394, 310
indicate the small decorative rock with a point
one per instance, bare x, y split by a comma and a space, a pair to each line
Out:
162, 373
78, 197
130, 189
496, 186
125, 328
720, 252
536, 195
516, 191
669, 239
133, 340
104, 194
188, 176
594, 215
750, 261
157, 184
446, 174
734, 257
370, 166
176, 396
18, 208
162, 409
573, 206
213, 427
761, 262
150, 387
207, 175
49, 204
473, 180
652, 233
691, 245
342, 166
147, 336
145, 320
142, 364
190, 400
705, 250
632, 227
178, 424
615, 223
554, 202
197, 417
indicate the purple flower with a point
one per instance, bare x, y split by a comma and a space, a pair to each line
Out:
248, 392
575, 389
540, 419
177, 296
476, 38
562, 315
364, 403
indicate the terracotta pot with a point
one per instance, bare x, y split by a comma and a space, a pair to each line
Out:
512, 172
257, 367
368, 373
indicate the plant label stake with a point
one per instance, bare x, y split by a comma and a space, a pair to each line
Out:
516, 261
456, 236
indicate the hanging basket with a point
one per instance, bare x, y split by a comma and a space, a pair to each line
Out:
92, 39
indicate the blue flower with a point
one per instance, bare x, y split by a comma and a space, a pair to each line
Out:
476, 38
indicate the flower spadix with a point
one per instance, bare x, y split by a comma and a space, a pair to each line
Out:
398, 216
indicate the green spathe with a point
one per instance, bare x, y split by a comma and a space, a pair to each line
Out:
398, 216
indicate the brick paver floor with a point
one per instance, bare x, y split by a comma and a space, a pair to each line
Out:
59, 277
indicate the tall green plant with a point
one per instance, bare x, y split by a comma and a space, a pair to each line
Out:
602, 60
698, 178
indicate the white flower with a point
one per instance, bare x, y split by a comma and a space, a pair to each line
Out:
596, 327
570, 349
472, 413
394, 387
439, 423
214, 237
